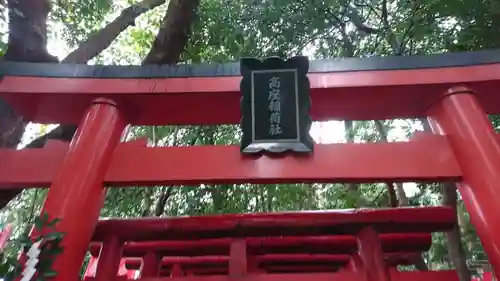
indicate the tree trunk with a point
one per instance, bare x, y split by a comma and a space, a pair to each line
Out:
174, 32
454, 237
28, 43
27, 40
455, 247
400, 192
167, 192
393, 198
148, 201
162, 201
352, 188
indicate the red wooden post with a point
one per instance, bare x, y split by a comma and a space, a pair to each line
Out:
77, 193
355, 264
460, 116
176, 270
109, 259
371, 255
238, 265
253, 263
151, 263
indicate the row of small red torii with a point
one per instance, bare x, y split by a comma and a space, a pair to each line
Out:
464, 149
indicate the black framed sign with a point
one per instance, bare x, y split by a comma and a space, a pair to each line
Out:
275, 105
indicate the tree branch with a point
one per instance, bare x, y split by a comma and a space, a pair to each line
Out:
102, 39
356, 19
392, 39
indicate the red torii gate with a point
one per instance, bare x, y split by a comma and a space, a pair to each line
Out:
455, 91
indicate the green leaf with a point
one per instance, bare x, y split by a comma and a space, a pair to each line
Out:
53, 222
55, 252
4, 268
39, 222
26, 240
45, 265
26, 248
50, 273
53, 236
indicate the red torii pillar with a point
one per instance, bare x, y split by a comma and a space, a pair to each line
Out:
459, 115
77, 193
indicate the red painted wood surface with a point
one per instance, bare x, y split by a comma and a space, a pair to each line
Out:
150, 264
408, 219
76, 194
339, 244
108, 264
344, 276
91, 268
306, 262
460, 116
427, 158
345, 95
340, 95
238, 258
372, 256
486, 276
448, 275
